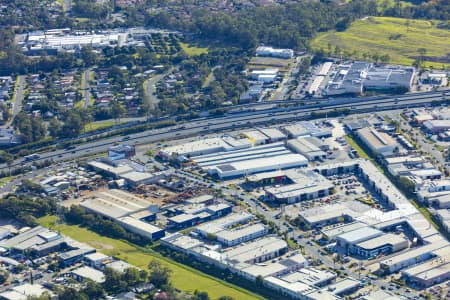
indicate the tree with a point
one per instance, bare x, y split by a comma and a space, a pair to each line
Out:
38, 129
385, 58
54, 127
113, 281
71, 294
225, 298
117, 110
200, 295
88, 56
73, 124
159, 274
93, 290
422, 52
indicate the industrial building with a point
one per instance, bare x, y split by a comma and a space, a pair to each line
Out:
132, 173
261, 136
117, 203
204, 147
141, 228
84, 273
431, 272
349, 239
258, 251
384, 244
245, 162
224, 223
39, 241
265, 76
308, 147
194, 214
412, 257
344, 287
121, 207
436, 126
244, 234
97, 260
110, 168
293, 262
274, 52
379, 142
303, 284
305, 128
306, 185
121, 152
25, 291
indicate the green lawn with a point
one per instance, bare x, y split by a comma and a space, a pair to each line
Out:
6, 179
99, 124
355, 146
182, 277
399, 38
193, 50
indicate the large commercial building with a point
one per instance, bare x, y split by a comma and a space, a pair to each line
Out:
384, 244
356, 77
213, 227
379, 142
431, 272
261, 136
304, 129
258, 251
122, 207
306, 185
204, 147
412, 257
234, 237
308, 147
436, 126
62, 41
244, 162
38, 241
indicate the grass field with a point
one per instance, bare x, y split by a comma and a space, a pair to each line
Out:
183, 277
193, 50
6, 179
98, 125
270, 62
398, 38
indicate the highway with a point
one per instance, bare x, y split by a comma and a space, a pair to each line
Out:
234, 121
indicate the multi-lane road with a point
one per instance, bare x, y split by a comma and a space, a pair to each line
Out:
239, 120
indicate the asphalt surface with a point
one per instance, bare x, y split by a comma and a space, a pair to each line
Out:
235, 121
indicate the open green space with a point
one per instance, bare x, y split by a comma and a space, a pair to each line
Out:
270, 62
182, 277
399, 38
6, 179
192, 50
355, 146
98, 125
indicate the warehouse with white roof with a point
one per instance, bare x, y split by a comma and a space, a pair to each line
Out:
244, 162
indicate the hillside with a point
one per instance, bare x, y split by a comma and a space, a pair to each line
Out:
398, 38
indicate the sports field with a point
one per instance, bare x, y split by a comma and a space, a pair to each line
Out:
182, 277
399, 38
